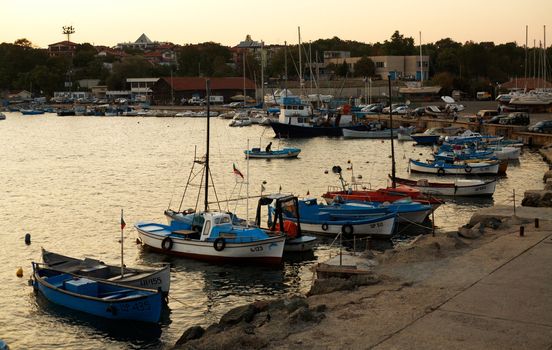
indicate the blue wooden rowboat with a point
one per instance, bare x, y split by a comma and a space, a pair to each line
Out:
103, 299
281, 153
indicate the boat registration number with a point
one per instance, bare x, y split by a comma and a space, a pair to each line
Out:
150, 281
258, 248
137, 306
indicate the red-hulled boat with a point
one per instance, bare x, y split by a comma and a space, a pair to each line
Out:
381, 195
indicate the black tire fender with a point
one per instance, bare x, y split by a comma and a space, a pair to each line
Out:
219, 244
468, 168
347, 229
167, 243
324, 227
441, 171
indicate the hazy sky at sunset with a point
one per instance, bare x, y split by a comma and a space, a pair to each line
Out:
107, 22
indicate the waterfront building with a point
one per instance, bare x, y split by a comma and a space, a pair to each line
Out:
167, 90
141, 88
397, 67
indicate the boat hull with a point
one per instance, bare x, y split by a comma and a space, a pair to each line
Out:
439, 169
284, 153
425, 139
267, 251
475, 189
149, 279
363, 134
298, 131
145, 308
383, 226
300, 244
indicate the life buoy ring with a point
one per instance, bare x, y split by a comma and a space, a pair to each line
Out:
347, 229
441, 171
468, 168
111, 309
167, 243
219, 244
324, 227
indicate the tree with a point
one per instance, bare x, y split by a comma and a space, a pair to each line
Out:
23, 43
399, 45
130, 67
343, 69
365, 67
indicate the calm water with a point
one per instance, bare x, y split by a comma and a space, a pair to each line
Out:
65, 180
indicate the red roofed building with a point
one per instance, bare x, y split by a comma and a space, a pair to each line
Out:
63, 48
188, 87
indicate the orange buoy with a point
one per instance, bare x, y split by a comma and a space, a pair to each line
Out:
19, 272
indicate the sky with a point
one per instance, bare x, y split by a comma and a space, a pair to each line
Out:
108, 22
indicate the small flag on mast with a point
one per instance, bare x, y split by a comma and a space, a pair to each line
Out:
123, 223
236, 171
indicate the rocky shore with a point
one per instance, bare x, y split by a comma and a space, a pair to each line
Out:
484, 286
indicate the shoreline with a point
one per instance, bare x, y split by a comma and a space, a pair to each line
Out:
445, 291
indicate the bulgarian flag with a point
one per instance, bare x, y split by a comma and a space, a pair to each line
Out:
123, 223
236, 171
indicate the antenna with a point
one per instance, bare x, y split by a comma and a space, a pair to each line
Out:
68, 30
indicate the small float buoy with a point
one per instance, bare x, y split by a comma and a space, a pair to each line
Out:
27, 238
359, 177
420, 153
325, 171
19, 272
382, 141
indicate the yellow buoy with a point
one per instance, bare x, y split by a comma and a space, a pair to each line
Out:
19, 272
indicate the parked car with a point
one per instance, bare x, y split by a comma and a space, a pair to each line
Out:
497, 118
516, 118
483, 96
418, 112
544, 126
394, 106
401, 110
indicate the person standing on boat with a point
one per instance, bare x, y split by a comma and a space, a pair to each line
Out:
267, 148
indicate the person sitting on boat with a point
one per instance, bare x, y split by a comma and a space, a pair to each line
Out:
267, 148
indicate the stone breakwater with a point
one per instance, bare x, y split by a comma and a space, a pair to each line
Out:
485, 286
541, 198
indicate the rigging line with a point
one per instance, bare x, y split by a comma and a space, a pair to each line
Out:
186, 187
214, 188
199, 191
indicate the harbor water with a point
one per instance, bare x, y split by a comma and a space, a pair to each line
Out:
65, 180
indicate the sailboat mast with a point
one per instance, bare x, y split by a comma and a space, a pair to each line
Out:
526, 38
244, 99
285, 68
262, 73
393, 183
544, 64
421, 63
300, 65
208, 88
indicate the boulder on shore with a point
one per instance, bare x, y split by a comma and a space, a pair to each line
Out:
537, 198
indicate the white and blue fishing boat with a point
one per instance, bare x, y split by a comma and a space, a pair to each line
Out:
457, 188
144, 278
99, 298
31, 111
210, 235
215, 239
471, 136
297, 120
281, 153
440, 167
326, 223
407, 211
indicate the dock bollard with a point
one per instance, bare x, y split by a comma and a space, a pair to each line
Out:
536, 222
521, 231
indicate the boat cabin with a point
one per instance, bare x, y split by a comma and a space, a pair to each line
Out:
218, 220
294, 111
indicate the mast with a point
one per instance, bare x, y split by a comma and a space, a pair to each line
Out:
208, 88
393, 183
421, 63
262, 73
285, 67
244, 100
300, 65
544, 60
526, 37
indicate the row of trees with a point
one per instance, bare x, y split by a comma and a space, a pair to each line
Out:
466, 66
